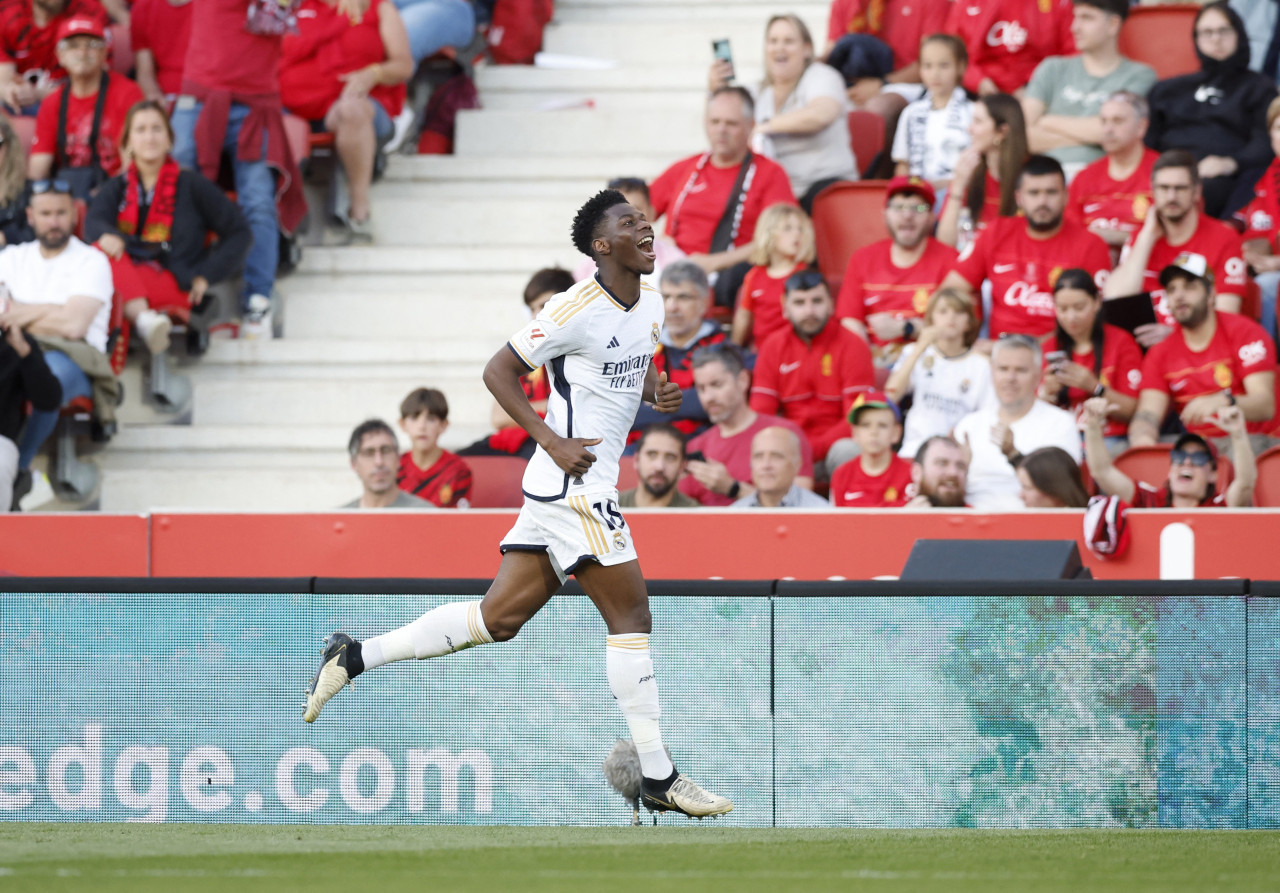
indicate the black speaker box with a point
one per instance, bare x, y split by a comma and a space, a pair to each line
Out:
995, 560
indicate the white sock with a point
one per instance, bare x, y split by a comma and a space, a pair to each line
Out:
446, 629
630, 671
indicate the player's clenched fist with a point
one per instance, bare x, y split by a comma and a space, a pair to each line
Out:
571, 453
667, 395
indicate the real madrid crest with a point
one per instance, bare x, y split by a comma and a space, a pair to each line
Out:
619, 541
655, 335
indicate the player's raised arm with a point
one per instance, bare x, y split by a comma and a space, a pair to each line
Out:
665, 396
502, 378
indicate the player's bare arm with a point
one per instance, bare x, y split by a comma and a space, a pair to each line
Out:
502, 378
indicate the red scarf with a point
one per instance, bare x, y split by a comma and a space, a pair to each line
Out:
164, 197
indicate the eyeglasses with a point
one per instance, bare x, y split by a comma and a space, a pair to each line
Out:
804, 280
910, 207
1211, 33
376, 452
40, 187
1198, 458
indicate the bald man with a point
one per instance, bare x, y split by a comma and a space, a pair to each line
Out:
775, 462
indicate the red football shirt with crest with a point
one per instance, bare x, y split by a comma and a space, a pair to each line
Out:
1220, 246
872, 284
761, 295
1023, 269
446, 483
1007, 39
902, 24
1261, 217
1121, 371
1240, 347
852, 487
1114, 204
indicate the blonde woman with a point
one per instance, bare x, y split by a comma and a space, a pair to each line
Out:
783, 244
14, 227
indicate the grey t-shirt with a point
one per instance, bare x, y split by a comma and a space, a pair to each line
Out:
810, 157
627, 499
403, 501
795, 498
1065, 88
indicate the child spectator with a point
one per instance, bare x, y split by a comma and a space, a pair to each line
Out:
783, 244
14, 195
350, 76
878, 477
153, 221
160, 30
934, 129
1050, 479
985, 176
426, 470
946, 378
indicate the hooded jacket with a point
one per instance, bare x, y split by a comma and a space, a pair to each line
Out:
1219, 110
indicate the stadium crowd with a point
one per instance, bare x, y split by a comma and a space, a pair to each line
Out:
1080, 257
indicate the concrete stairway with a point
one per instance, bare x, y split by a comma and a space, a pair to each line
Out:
456, 237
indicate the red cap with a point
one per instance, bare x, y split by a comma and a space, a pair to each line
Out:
910, 186
77, 25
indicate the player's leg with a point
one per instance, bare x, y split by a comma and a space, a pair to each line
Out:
525, 581
620, 595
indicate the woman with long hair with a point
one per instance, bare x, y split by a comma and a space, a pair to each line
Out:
1050, 479
986, 174
1086, 358
14, 227
152, 221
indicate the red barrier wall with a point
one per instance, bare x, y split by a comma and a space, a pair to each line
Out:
672, 545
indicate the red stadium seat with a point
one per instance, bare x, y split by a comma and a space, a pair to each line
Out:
1266, 492
847, 216
1160, 36
627, 477
1150, 464
495, 481
866, 135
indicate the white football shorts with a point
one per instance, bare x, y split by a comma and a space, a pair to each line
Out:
572, 531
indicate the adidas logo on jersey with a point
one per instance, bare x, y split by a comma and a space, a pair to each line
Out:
613, 342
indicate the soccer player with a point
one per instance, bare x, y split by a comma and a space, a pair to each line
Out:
597, 341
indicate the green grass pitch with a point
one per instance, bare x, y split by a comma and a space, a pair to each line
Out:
680, 855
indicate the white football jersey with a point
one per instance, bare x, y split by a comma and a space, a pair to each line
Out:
597, 352
943, 392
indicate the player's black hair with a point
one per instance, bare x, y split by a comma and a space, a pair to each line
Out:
591, 215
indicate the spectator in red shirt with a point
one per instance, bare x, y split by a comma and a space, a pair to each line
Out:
685, 298
783, 245
878, 477
1007, 39
428, 471
1111, 196
1211, 361
1022, 256
719, 459
984, 181
159, 31
887, 284
351, 76
71, 134
1261, 220
1177, 228
811, 372
1050, 479
1085, 357
712, 200
939, 474
1193, 466
29, 33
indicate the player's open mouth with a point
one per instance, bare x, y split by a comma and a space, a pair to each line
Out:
646, 246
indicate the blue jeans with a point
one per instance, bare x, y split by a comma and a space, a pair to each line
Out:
433, 25
1268, 284
40, 423
255, 193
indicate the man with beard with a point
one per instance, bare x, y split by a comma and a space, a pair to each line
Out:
1177, 228
888, 283
29, 66
998, 437
939, 474
1022, 256
60, 292
1211, 361
659, 462
723, 471
813, 370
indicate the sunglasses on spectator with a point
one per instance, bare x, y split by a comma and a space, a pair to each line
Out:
804, 280
1198, 458
40, 187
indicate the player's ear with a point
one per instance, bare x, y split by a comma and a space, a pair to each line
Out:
600, 246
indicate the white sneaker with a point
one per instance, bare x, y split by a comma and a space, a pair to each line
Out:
256, 324
154, 328
402, 124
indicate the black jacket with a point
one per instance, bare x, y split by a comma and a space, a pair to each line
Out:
200, 208
21, 380
1219, 110
13, 219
